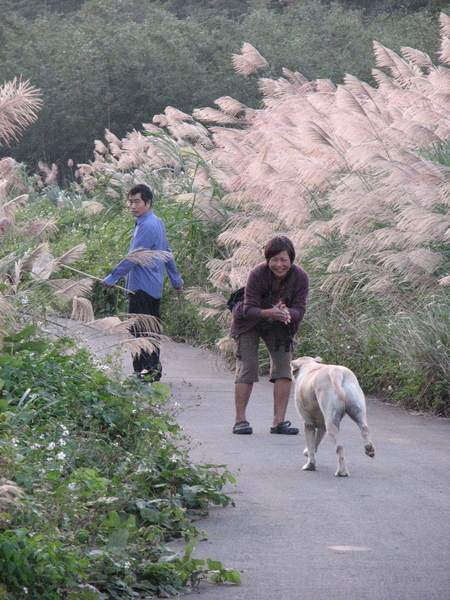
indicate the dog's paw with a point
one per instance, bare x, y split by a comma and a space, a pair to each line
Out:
370, 450
341, 473
309, 467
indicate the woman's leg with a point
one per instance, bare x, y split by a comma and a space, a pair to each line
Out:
281, 393
279, 349
242, 392
246, 352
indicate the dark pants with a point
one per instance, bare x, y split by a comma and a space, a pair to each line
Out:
144, 304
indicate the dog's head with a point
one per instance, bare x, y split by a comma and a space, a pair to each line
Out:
303, 360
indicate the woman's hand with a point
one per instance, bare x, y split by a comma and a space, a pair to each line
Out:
279, 312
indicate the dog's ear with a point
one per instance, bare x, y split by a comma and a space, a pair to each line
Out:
318, 359
295, 366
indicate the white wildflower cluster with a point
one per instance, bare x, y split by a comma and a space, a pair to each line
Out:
62, 441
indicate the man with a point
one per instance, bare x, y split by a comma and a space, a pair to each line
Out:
145, 282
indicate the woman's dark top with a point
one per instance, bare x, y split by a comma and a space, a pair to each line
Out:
264, 291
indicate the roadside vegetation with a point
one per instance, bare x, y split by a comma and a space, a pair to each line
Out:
96, 481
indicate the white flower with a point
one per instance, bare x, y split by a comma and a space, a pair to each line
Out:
61, 456
51, 446
62, 442
71, 486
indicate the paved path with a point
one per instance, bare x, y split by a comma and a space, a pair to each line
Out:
381, 534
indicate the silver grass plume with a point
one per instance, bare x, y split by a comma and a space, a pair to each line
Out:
91, 207
249, 61
73, 255
149, 343
19, 105
214, 116
66, 289
141, 256
10, 497
82, 310
230, 106
9, 208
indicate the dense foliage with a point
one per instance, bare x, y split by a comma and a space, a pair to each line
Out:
178, 54
108, 484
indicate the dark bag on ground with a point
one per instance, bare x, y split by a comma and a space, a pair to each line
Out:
235, 297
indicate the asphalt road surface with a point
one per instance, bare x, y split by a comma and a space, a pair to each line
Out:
381, 534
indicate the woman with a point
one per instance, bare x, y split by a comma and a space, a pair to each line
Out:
273, 307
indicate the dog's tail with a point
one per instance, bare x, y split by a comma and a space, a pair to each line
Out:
336, 378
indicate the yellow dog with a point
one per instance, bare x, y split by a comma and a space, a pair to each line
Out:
323, 395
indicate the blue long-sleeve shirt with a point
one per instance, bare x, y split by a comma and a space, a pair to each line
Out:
149, 234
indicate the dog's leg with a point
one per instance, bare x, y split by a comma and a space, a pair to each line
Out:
333, 431
310, 436
359, 416
320, 434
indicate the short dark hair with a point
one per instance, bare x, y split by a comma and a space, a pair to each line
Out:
277, 245
142, 189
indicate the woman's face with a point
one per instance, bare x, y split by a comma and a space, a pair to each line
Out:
280, 264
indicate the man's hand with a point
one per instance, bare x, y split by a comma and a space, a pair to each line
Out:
106, 285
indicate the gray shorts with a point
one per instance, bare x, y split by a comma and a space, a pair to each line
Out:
246, 347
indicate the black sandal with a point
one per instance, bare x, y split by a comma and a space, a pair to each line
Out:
285, 428
242, 427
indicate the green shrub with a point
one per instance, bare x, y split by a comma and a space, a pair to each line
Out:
107, 479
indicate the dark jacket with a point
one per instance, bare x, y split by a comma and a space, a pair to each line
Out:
264, 291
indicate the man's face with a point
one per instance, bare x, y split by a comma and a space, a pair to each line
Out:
137, 205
